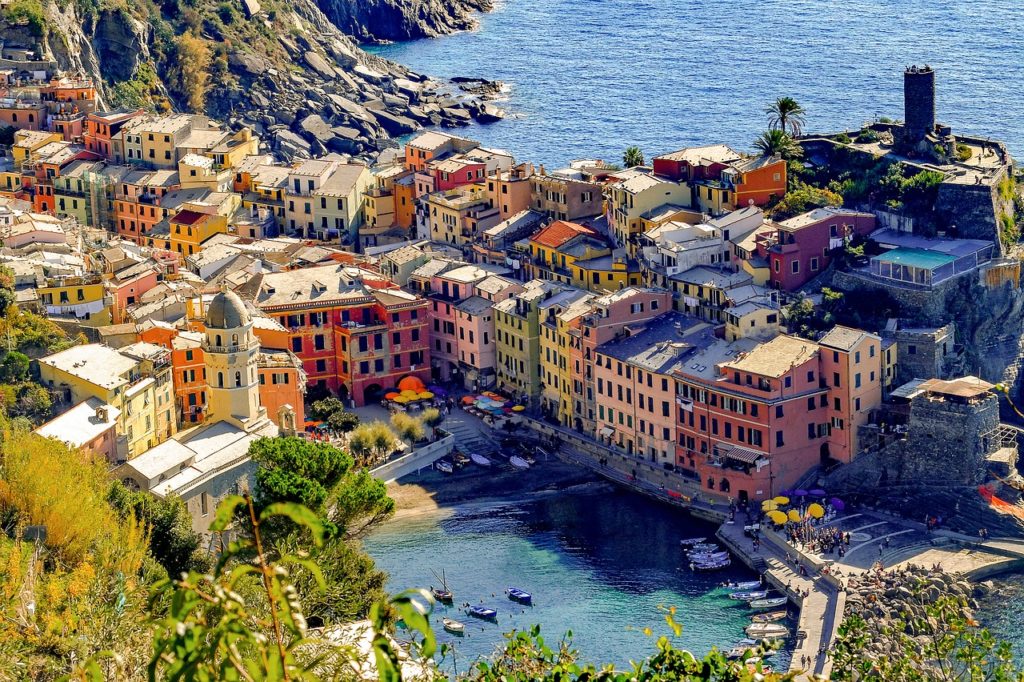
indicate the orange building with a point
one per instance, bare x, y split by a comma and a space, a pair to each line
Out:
510, 191
103, 132
188, 369
138, 199
23, 115
79, 93
405, 202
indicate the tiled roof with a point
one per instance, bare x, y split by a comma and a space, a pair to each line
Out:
559, 232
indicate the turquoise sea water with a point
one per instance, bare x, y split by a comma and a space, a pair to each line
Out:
590, 77
599, 565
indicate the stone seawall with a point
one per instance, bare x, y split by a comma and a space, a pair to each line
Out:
973, 209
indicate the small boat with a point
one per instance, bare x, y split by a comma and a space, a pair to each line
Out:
706, 556
442, 595
518, 462
767, 630
480, 460
769, 603
749, 596
521, 596
460, 459
737, 652
704, 547
711, 565
444, 466
453, 626
769, 617
691, 541
748, 585
482, 612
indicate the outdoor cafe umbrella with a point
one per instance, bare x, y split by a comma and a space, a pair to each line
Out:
818, 492
781, 499
838, 504
391, 396
468, 400
426, 395
800, 493
778, 517
769, 505
816, 510
794, 516
519, 408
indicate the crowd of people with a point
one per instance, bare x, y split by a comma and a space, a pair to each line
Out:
819, 539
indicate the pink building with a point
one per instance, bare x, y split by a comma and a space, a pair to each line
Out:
128, 285
462, 338
88, 426
800, 248
610, 316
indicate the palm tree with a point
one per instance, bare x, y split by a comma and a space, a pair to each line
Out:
787, 115
633, 157
775, 142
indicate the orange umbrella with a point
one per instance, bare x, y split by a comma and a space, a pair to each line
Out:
411, 384
391, 396
468, 400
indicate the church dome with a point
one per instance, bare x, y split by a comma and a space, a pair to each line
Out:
227, 311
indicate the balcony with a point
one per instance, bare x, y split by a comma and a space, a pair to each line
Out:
240, 348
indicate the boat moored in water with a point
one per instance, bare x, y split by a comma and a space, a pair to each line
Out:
691, 541
442, 595
747, 585
453, 626
769, 617
482, 612
749, 596
518, 462
769, 603
521, 596
767, 630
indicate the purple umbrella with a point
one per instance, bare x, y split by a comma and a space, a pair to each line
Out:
818, 492
800, 493
438, 391
838, 504
787, 493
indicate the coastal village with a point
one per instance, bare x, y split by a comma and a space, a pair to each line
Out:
672, 324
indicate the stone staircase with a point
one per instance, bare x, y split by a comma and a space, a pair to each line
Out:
468, 437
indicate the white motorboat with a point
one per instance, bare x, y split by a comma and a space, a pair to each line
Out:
705, 557
691, 541
770, 603
747, 585
518, 462
480, 460
767, 630
749, 596
444, 466
453, 626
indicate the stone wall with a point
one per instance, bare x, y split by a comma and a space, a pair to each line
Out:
972, 209
926, 306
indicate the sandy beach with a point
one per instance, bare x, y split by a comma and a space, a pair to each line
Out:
431, 492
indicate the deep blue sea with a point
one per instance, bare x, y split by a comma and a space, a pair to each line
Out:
598, 564
590, 77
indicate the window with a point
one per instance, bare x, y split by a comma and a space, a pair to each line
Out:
835, 379
814, 264
912, 349
810, 403
871, 351
321, 365
779, 439
796, 267
812, 432
856, 380
778, 411
787, 381
856, 404
238, 379
297, 344
204, 504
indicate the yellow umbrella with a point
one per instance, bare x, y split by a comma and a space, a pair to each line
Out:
426, 395
816, 510
409, 394
769, 505
519, 408
781, 499
401, 400
778, 517
794, 516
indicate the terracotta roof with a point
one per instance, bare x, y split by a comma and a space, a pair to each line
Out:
559, 232
188, 217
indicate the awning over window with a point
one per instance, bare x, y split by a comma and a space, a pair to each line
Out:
740, 454
606, 432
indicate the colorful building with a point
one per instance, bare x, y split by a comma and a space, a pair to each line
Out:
136, 380
801, 247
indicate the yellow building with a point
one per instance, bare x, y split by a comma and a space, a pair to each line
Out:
338, 202
26, 142
190, 228
458, 216
197, 171
81, 298
750, 320
135, 379
559, 316
517, 339
233, 148
574, 255
639, 193
264, 187
604, 273
153, 140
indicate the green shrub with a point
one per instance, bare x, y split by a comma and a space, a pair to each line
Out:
842, 138
28, 12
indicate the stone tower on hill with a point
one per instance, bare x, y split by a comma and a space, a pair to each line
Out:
231, 351
918, 103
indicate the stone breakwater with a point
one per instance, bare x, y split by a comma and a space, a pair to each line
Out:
901, 598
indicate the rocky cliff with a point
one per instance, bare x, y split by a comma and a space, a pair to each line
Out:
279, 66
391, 20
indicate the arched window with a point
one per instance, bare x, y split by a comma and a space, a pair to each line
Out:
218, 341
238, 379
220, 379
234, 339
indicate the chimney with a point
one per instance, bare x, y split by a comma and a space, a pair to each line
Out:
542, 171
101, 414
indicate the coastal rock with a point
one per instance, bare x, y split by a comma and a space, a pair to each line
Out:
387, 20
319, 64
395, 125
